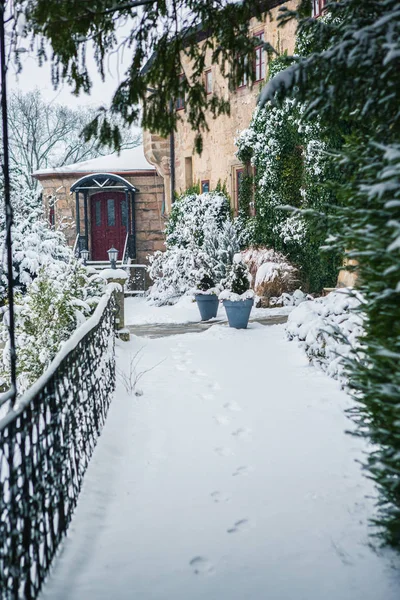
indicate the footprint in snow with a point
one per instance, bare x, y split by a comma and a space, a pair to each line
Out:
180, 367
223, 451
220, 497
233, 406
214, 386
239, 526
243, 470
221, 420
201, 566
242, 432
199, 373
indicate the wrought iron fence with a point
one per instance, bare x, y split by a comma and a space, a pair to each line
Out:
45, 446
137, 282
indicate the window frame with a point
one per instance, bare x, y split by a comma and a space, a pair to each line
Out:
180, 102
261, 56
245, 79
238, 171
318, 7
52, 216
209, 90
202, 183
111, 217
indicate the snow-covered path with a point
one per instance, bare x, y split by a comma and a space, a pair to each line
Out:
229, 478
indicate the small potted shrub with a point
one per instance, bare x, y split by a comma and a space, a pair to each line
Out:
237, 297
206, 296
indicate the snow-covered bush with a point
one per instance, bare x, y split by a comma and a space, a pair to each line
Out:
35, 243
200, 235
237, 283
350, 83
54, 292
60, 298
271, 273
292, 299
328, 329
174, 273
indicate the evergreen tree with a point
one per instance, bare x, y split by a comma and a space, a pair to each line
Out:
353, 75
238, 280
169, 33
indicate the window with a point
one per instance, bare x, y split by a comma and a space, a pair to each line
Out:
98, 213
317, 7
259, 62
188, 172
52, 216
180, 101
238, 177
124, 213
110, 213
208, 78
243, 82
205, 186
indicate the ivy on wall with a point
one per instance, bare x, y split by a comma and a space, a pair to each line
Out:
290, 159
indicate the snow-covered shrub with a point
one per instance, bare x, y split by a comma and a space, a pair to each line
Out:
57, 301
200, 235
293, 299
271, 273
221, 243
237, 284
192, 213
205, 281
174, 273
35, 243
328, 329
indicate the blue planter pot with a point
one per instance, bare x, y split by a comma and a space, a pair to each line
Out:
208, 305
238, 313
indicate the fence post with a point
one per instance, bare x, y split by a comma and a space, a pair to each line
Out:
118, 276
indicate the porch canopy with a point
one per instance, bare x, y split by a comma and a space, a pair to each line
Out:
104, 182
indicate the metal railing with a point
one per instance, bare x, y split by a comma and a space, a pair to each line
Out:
46, 442
75, 249
137, 283
125, 258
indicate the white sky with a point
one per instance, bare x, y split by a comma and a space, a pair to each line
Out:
33, 76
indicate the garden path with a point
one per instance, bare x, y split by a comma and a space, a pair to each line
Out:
229, 476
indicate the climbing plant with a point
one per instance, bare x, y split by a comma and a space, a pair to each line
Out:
290, 158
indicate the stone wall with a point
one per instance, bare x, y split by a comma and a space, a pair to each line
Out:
150, 221
218, 161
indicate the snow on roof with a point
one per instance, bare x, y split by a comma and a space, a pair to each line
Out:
128, 160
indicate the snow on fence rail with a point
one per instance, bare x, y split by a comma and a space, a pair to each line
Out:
45, 446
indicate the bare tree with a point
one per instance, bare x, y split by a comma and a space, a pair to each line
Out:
44, 135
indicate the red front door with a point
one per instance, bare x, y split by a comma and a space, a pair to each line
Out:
109, 223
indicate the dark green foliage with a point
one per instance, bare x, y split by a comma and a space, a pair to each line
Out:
356, 81
246, 195
238, 280
293, 163
205, 281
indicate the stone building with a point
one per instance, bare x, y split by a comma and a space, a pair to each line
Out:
115, 200
218, 161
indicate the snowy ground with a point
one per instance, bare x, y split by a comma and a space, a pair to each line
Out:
230, 478
139, 312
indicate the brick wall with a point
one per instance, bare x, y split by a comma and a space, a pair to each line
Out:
150, 222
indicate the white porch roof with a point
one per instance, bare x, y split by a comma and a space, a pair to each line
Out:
128, 160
